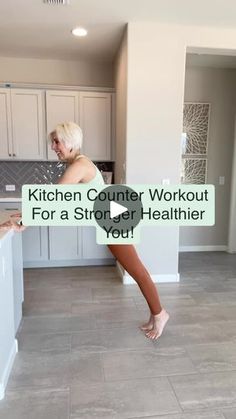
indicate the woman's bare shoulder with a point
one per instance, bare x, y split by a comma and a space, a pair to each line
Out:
75, 172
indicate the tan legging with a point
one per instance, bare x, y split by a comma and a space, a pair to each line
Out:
128, 258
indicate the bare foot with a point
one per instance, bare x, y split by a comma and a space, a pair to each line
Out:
159, 322
149, 325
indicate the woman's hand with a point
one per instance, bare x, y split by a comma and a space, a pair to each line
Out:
6, 226
17, 226
13, 223
10, 224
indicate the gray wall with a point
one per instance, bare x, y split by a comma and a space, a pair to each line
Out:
30, 70
120, 76
155, 92
216, 86
156, 76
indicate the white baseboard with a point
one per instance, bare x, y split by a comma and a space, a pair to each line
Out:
203, 248
63, 263
120, 270
165, 278
8, 368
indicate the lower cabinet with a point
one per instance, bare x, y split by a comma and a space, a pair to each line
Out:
60, 246
35, 244
63, 246
8, 344
65, 243
92, 250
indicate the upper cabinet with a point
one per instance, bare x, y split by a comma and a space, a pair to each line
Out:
27, 124
91, 110
95, 121
23, 113
61, 106
22, 129
21, 124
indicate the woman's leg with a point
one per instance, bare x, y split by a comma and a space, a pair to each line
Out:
129, 259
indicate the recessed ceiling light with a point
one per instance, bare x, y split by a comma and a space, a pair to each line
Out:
79, 32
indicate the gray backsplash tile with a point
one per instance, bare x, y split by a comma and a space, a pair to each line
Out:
20, 173
30, 172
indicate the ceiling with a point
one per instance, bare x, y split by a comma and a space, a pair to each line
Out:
30, 28
212, 61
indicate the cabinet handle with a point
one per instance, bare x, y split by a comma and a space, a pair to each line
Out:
11, 209
14, 155
9, 154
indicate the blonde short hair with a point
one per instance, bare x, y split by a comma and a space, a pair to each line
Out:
70, 134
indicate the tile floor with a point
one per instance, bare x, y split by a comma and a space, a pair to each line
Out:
82, 355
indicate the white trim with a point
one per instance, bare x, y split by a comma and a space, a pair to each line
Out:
203, 248
55, 87
2, 392
120, 270
157, 278
8, 368
64, 263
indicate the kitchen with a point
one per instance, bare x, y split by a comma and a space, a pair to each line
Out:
21, 163
31, 104
127, 95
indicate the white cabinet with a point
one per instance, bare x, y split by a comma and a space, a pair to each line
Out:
76, 245
27, 124
23, 135
35, 245
23, 127
91, 110
5, 125
61, 106
34, 239
7, 327
64, 243
11, 297
59, 246
91, 250
95, 121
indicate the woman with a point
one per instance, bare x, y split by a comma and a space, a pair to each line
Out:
66, 141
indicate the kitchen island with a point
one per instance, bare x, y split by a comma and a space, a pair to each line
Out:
11, 298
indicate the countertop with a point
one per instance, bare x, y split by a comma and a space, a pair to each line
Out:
10, 197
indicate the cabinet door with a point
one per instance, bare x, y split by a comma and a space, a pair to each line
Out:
35, 244
61, 106
95, 121
5, 125
92, 250
27, 124
64, 243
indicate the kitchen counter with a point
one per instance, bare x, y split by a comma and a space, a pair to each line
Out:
10, 197
11, 297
